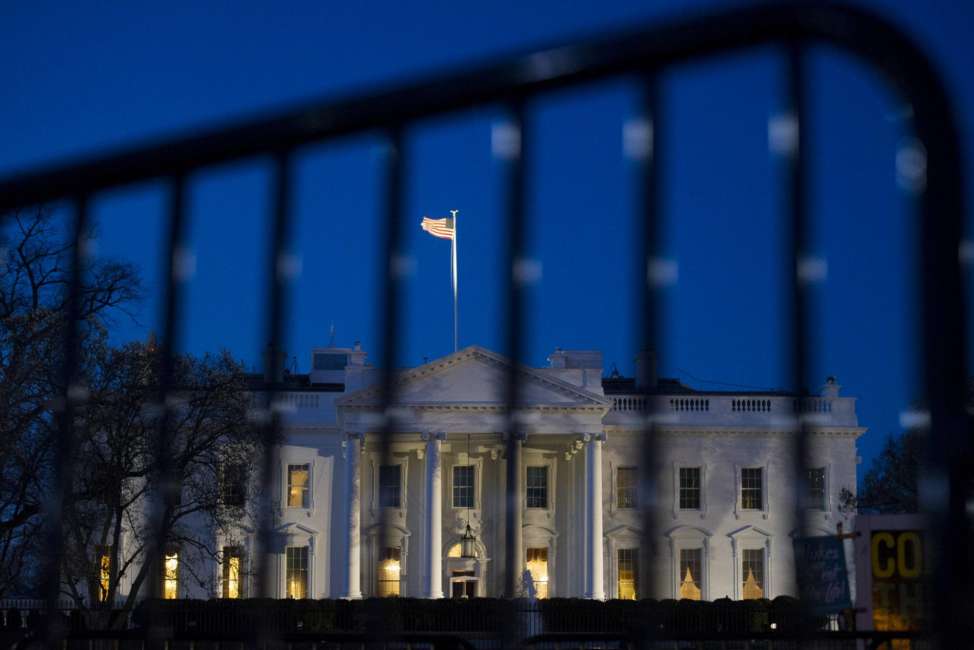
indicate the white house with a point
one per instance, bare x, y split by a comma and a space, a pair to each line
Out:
726, 529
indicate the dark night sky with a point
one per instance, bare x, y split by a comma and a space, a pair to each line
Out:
79, 79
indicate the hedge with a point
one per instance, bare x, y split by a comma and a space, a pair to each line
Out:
478, 617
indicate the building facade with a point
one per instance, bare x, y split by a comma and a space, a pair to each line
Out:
724, 472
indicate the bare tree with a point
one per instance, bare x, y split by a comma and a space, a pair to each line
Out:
34, 276
118, 485
116, 426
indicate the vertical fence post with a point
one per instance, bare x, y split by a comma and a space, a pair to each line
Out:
165, 489
74, 393
946, 487
793, 142
509, 145
395, 267
642, 143
278, 271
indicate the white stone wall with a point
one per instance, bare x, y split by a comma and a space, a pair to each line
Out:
721, 522
460, 398
722, 527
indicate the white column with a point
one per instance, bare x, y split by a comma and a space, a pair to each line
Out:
514, 534
353, 456
595, 585
434, 516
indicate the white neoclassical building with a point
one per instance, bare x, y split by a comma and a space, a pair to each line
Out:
726, 529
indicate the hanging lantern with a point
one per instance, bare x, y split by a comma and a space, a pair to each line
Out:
468, 545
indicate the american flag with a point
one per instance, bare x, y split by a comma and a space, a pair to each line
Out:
442, 228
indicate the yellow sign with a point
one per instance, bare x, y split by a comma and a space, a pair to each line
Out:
897, 579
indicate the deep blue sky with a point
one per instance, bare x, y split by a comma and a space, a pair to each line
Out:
78, 78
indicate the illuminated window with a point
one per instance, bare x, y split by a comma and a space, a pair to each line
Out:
752, 488
232, 586
455, 551
298, 479
170, 575
628, 573
390, 486
816, 488
626, 487
691, 573
233, 488
296, 571
537, 565
463, 486
537, 487
689, 488
752, 572
104, 572
390, 571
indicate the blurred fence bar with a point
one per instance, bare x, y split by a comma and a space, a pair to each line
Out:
278, 277
509, 145
64, 469
644, 146
511, 83
792, 142
165, 494
395, 266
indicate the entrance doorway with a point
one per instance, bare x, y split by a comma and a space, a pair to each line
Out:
463, 584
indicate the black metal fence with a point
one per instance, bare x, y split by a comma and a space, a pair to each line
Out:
640, 55
453, 623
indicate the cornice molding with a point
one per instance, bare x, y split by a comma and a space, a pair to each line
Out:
366, 398
486, 408
710, 430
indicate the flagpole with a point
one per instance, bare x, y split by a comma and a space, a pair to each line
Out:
453, 268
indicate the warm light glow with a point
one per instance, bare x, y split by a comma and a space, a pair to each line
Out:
297, 480
689, 588
104, 576
295, 588
628, 582
170, 577
752, 590
537, 564
454, 551
233, 577
627, 588
296, 567
390, 571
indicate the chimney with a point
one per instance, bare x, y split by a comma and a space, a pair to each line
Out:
646, 378
357, 356
557, 359
831, 387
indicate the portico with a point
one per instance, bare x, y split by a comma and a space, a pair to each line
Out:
449, 431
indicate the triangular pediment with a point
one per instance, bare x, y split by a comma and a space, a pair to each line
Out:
475, 377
